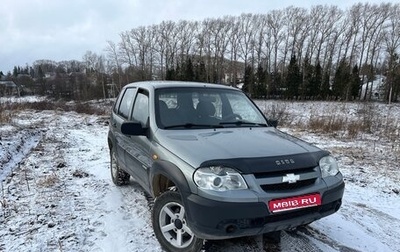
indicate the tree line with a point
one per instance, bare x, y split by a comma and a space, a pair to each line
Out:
293, 53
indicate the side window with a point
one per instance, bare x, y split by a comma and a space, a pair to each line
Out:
117, 102
126, 103
141, 107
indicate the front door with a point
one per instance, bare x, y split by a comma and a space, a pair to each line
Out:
137, 156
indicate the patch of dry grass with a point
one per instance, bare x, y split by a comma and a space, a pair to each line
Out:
330, 123
8, 109
279, 112
366, 118
48, 180
5, 116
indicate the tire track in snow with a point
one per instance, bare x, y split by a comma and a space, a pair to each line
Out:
305, 232
122, 222
289, 241
12, 154
382, 220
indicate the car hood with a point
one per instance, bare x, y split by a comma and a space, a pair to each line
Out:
250, 150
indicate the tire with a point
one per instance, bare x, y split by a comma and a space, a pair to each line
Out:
118, 176
170, 227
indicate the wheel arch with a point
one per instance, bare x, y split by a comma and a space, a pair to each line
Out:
164, 176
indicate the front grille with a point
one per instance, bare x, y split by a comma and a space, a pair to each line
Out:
287, 187
281, 173
272, 182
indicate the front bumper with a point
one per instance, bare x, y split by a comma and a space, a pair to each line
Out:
210, 219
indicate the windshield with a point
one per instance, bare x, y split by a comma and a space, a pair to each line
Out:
178, 108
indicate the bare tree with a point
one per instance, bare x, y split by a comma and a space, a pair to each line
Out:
168, 34
114, 60
275, 25
392, 42
296, 22
247, 43
95, 70
261, 27
374, 44
247, 40
234, 37
142, 39
218, 47
186, 36
372, 18
159, 50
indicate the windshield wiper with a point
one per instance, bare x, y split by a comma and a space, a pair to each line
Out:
193, 125
244, 123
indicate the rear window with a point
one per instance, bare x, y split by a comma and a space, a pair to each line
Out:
125, 103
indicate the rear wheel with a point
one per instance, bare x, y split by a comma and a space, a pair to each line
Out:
170, 226
119, 176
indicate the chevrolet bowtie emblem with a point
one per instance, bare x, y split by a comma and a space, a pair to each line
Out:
290, 178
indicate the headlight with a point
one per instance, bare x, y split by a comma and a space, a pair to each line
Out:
328, 166
218, 178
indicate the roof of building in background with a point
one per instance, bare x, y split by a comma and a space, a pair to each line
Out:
9, 84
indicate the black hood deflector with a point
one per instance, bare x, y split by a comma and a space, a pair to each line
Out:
270, 164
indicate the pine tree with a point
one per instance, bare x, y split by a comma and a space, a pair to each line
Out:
170, 74
261, 85
342, 83
293, 79
308, 75
42, 81
355, 82
248, 80
15, 71
188, 73
317, 81
200, 73
325, 86
275, 84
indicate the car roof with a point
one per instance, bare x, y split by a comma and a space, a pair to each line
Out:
170, 84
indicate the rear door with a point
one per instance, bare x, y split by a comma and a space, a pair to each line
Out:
121, 112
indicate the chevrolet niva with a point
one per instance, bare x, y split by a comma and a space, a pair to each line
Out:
215, 165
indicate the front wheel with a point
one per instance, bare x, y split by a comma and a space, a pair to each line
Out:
170, 226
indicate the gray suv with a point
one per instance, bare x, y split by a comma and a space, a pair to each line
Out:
215, 165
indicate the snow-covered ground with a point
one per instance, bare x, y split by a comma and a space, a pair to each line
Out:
57, 194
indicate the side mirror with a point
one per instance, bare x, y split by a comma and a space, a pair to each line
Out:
273, 122
133, 129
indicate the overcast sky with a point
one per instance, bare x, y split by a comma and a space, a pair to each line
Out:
65, 29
